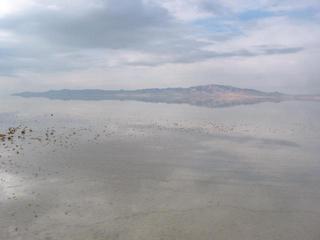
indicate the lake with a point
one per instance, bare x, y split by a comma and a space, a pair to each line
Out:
130, 170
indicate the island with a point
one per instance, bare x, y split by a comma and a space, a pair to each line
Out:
207, 95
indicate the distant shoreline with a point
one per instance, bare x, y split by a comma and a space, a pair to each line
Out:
206, 95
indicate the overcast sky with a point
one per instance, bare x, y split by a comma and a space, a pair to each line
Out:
264, 44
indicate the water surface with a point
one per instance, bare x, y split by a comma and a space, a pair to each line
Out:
133, 170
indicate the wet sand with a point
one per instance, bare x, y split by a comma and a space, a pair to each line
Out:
154, 171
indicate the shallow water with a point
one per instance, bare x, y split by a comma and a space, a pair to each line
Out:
130, 170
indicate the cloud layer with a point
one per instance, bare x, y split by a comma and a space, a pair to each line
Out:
192, 41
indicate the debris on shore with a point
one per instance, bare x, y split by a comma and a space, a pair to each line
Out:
2, 137
13, 132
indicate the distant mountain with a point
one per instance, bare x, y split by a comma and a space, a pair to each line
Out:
208, 95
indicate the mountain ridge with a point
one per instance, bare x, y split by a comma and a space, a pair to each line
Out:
213, 95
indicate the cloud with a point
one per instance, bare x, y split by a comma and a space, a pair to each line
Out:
46, 37
134, 26
112, 25
46, 34
202, 55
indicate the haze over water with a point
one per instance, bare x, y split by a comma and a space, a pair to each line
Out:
133, 170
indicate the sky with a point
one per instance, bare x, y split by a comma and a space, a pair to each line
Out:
270, 45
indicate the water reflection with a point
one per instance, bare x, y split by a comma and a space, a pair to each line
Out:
128, 170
